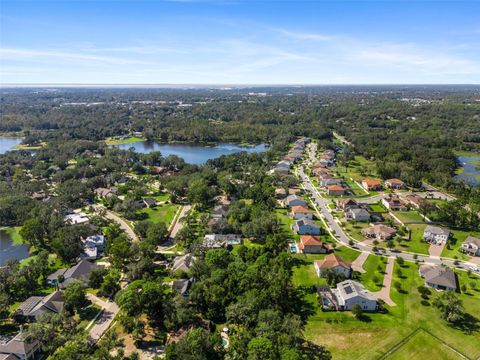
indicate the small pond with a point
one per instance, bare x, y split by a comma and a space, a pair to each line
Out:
8, 143
10, 251
471, 169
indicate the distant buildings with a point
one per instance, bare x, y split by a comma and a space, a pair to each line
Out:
395, 184
394, 203
294, 200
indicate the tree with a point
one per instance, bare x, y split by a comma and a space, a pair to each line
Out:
400, 260
33, 232
198, 344
157, 233
260, 348
357, 311
96, 277
74, 295
111, 283
450, 305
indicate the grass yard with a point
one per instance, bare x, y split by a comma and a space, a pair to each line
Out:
374, 267
348, 338
286, 222
416, 244
378, 208
355, 230
408, 216
161, 213
129, 140
422, 345
358, 169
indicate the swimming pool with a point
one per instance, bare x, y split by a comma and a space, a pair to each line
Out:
293, 248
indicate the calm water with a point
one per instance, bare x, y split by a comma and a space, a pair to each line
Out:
7, 143
193, 154
471, 172
9, 251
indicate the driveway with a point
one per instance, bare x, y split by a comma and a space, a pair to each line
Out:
103, 320
357, 264
123, 225
177, 226
384, 294
435, 250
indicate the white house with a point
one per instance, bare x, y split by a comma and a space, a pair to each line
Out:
76, 218
471, 246
349, 293
335, 263
306, 227
436, 235
294, 200
357, 215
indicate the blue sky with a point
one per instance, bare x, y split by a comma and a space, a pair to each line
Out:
239, 42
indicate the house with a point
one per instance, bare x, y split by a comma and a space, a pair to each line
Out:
329, 152
335, 263
215, 241
417, 201
219, 212
300, 212
183, 263
395, 184
21, 347
104, 192
306, 227
294, 200
379, 231
93, 247
79, 272
394, 203
182, 286
357, 214
8, 357
349, 293
326, 162
149, 202
439, 277
436, 235
312, 245
139, 204
336, 190
471, 246
35, 306
346, 204
371, 184
76, 218
280, 193
280, 170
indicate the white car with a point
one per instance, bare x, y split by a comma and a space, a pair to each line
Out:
474, 268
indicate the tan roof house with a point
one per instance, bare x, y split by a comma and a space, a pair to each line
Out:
379, 231
372, 184
299, 212
310, 244
335, 263
395, 184
336, 190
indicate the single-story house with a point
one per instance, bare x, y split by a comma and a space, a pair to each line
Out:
306, 227
104, 192
357, 214
76, 218
21, 347
329, 182
417, 201
81, 272
436, 235
280, 193
219, 211
183, 263
372, 184
345, 204
215, 241
312, 245
149, 202
395, 184
350, 293
393, 203
335, 263
300, 212
379, 231
336, 190
294, 200
471, 246
35, 306
439, 277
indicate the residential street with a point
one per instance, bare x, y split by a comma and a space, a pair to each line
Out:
123, 225
102, 323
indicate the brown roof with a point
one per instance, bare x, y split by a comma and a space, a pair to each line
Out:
300, 209
344, 201
379, 229
394, 181
372, 182
310, 240
335, 187
332, 261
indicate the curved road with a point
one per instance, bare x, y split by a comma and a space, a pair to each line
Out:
336, 231
123, 225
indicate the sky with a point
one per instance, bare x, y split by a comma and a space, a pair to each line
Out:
239, 42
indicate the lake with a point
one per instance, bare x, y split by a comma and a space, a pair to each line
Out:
9, 251
7, 143
471, 169
191, 153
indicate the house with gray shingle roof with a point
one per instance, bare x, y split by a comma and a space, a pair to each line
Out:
471, 246
306, 227
21, 347
439, 277
348, 293
36, 306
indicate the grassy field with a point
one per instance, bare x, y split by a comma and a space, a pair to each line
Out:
374, 266
355, 230
422, 345
161, 213
358, 169
408, 216
129, 140
348, 338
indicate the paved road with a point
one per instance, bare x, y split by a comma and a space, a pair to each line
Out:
177, 226
123, 225
336, 231
102, 323
384, 294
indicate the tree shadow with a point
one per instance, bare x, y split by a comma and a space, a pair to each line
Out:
468, 324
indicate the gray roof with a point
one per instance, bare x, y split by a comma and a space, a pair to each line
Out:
181, 285
38, 305
183, 263
8, 357
439, 275
19, 345
359, 212
307, 222
291, 198
436, 230
81, 271
348, 289
472, 240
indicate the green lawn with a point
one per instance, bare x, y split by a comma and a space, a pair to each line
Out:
129, 140
286, 222
416, 244
378, 208
358, 169
371, 267
161, 213
348, 338
14, 234
422, 345
408, 216
355, 230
